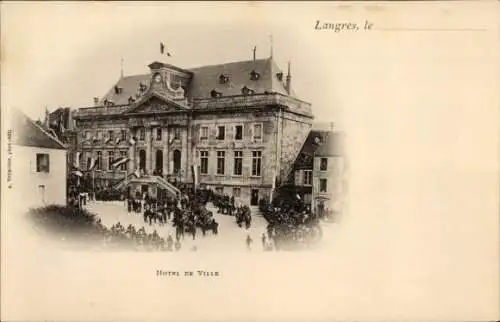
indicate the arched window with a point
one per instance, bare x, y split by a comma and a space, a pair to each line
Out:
177, 161
159, 162
142, 160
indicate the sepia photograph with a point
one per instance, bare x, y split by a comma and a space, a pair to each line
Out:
260, 161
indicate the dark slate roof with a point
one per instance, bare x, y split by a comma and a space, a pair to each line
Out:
28, 133
332, 145
206, 78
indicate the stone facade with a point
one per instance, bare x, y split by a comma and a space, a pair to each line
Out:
165, 130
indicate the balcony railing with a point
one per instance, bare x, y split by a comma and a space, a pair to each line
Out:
100, 110
236, 101
241, 101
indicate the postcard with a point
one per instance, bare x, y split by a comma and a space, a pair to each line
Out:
250, 161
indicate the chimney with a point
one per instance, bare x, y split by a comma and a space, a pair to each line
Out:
288, 83
96, 101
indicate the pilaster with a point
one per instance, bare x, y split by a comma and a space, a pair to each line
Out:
149, 152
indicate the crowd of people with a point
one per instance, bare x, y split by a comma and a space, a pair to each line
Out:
187, 213
290, 225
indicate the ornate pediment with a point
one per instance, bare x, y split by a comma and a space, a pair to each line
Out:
155, 103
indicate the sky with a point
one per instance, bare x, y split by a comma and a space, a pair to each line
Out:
64, 54
417, 97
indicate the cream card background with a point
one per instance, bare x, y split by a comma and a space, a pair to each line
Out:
420, 109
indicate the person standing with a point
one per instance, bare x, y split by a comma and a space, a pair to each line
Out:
249, 242
263, 240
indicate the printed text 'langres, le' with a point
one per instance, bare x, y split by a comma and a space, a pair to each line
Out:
342, 26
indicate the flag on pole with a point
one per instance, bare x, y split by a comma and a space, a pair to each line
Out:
76, 161
137, 173
162, 50
298, 197
93, 163
107, 139
119, 162
118, 140
273, 187
171, 139
196, 177
131, 141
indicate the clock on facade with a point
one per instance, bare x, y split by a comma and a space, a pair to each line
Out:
157, 78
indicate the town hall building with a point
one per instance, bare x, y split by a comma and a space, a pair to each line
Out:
235, 127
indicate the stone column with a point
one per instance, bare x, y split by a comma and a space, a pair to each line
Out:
166, 137
149, 151
131, 155
131, 161
184, 153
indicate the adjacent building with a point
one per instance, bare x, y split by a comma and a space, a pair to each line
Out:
318, 176
329, 174
38, 164
235, 127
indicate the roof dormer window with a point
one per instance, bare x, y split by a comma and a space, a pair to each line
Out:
131, 99
142, 87
254, 75
247, 91
215, 94
118, 89
223, 79
279, 76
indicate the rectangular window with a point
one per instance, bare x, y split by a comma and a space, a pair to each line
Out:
158, 134
238, 132
308, 177
257, 132
99, 160
142, 134
110, 135
323, 165
238, 163
204, 162
111, 156
123, 135
177, 133
236, 192
221, 162
256, 163
219, 190
42, 162
221, 133
322, 185
204, 133
123, 166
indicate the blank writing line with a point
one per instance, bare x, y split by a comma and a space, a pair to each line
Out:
431, 29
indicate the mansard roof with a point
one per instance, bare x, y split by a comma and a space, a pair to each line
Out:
205, 79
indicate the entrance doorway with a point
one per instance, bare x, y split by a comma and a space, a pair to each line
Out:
144, 189
159, 162
254, 197
142, 160
177, 161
